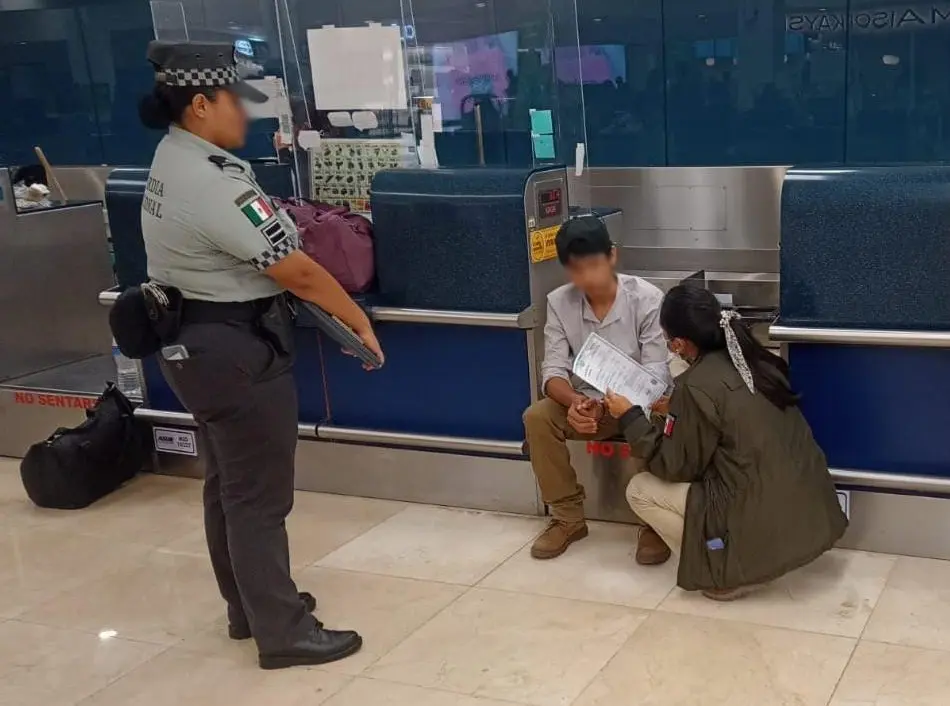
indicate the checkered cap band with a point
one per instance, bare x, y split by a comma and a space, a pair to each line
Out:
199, 78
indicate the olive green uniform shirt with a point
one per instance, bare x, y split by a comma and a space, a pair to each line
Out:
761, 501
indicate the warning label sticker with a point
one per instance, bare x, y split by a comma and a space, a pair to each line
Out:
175, 441
542, 244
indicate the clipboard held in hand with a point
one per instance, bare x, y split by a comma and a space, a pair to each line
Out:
341, 334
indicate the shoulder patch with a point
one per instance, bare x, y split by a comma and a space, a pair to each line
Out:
245, 197
222, 163
668, 425
256, 209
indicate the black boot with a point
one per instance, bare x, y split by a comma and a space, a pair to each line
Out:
319, 647
242, 631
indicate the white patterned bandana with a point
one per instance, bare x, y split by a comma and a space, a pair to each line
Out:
735, 351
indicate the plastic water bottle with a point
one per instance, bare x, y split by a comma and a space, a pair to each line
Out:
127, 374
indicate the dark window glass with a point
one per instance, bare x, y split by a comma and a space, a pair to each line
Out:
755, 82
115, 37
47, 90
621, 57
898, 82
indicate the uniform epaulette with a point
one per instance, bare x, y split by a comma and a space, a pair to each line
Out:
222, 162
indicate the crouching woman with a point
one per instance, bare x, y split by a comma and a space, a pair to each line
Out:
735, 483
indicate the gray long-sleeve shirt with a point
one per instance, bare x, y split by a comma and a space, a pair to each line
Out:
632, 324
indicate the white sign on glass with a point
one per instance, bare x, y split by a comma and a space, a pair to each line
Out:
358, 68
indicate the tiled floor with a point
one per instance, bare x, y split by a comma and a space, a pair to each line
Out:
116, 606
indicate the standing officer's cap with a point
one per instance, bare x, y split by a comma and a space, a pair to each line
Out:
200, 65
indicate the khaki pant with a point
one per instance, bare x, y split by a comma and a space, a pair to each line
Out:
547, 432
661, 505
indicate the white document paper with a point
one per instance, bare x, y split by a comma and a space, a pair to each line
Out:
276, 106
604, 367
309, 139
365, 120
358, 68
340, 118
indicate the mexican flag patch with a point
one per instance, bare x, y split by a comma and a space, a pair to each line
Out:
257, 211
668, 425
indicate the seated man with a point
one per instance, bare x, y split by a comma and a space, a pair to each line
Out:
624, 310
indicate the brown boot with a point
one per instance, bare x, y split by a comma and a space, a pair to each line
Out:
651, 549
557, 537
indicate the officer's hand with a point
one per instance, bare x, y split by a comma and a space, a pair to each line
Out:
368, 337
617, 405
661, 407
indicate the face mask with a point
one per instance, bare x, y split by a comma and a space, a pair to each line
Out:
678, 364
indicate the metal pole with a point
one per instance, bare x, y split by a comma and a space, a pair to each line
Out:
479, 136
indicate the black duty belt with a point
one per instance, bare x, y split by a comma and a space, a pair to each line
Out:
195, 311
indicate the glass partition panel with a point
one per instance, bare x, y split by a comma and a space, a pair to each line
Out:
350, 85
256, 29
500, 76
374, 84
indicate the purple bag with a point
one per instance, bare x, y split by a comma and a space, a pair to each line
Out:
339, 240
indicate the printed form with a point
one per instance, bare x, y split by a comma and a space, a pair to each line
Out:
603, 366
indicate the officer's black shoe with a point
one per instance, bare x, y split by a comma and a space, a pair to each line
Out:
319, 647
243, 630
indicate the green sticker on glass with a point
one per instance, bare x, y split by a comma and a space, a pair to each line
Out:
543, 146
541, 122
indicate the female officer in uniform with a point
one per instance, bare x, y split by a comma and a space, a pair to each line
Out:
212, 233
736, 484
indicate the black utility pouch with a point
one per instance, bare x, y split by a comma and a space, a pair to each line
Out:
276, 326
144, 318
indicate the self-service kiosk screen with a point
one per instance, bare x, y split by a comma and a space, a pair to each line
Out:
550, 202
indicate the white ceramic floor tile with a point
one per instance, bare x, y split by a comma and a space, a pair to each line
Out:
43, 666
37, 563
893, 675
915, 607
372, 692
319, 524
678, 660
438, 544
16, 509
383, 609
179, 677
834, 594
162, 599
599, 568
150, 510
499, 645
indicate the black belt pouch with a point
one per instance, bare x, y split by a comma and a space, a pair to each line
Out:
276, 326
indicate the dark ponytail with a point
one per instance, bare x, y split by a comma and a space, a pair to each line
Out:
165, 105
693, 313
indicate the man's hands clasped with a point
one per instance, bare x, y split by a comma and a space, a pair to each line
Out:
584, 415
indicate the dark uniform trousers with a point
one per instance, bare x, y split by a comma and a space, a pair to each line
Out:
242, 395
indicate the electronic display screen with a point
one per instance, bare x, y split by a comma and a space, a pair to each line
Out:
550, 203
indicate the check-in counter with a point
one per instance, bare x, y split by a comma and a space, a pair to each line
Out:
455, 311
55, 357
865, 320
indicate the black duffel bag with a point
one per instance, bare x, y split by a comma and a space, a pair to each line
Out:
75, 467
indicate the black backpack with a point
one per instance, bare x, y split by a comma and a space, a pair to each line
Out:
75, 467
